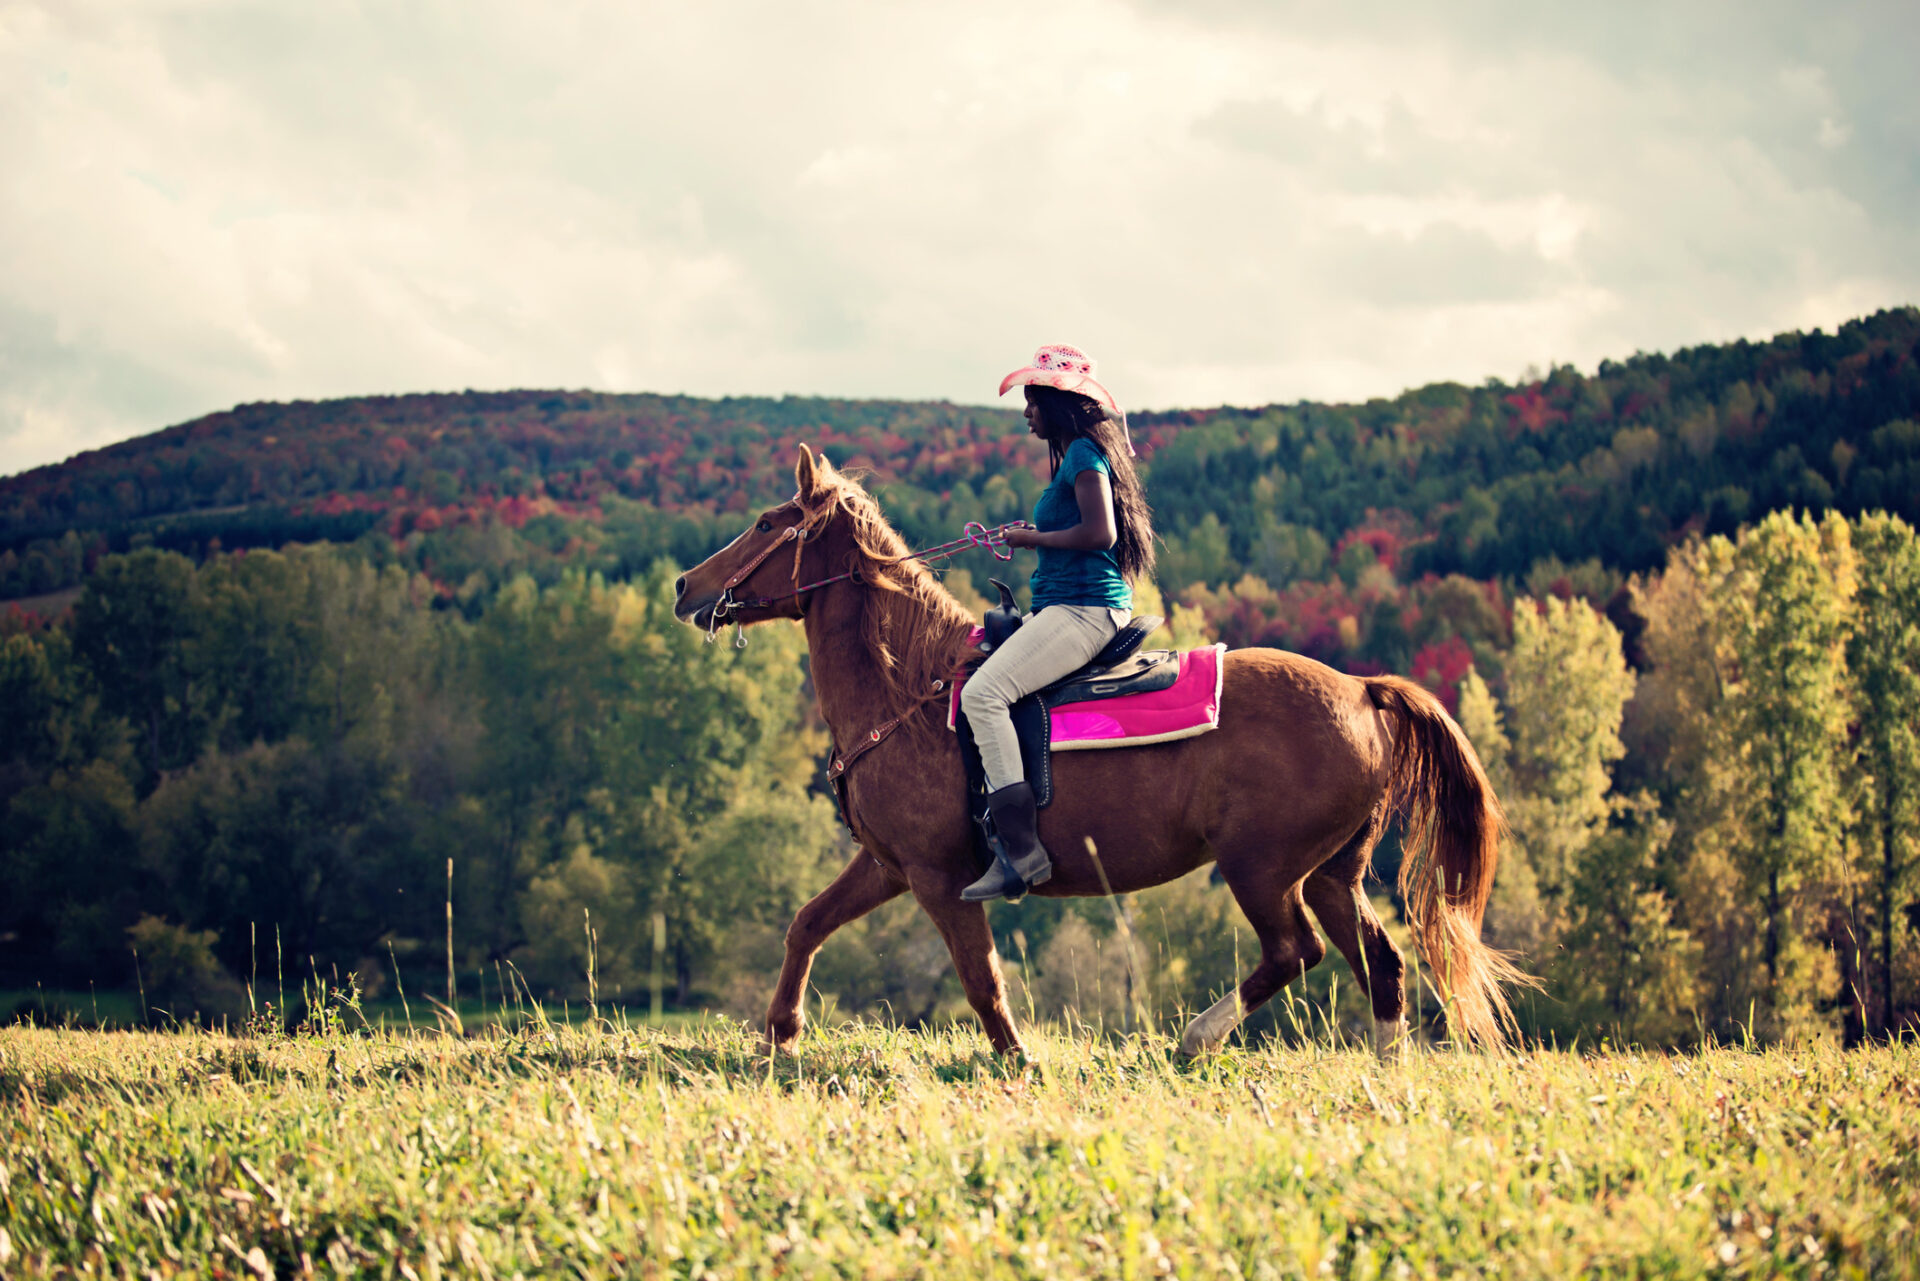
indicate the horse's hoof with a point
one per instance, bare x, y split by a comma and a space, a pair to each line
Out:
1013, 1059
1210, 1031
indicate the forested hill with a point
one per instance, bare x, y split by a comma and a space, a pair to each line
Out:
1490, 481
512, 452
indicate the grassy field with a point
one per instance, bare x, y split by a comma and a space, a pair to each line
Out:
879, 1152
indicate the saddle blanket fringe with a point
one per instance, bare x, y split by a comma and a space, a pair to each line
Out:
1189, 706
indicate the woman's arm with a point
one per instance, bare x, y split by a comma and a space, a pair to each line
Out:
1096, 531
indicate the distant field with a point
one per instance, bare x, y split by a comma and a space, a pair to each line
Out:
121, 1011
878, 1152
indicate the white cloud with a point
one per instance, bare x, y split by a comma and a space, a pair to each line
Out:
211, 201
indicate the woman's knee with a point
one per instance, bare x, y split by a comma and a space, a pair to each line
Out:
979, 698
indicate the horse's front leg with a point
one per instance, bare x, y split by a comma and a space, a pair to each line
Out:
863, 884
970, 943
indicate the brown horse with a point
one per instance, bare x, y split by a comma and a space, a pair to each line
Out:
1288, 796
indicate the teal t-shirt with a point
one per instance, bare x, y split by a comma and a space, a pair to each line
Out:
1075, 578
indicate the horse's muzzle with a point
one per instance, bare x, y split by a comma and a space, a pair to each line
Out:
699, 613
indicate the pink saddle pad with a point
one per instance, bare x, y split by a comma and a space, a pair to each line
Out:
1189, 706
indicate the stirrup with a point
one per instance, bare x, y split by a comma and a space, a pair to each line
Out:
998, 881
1003, 879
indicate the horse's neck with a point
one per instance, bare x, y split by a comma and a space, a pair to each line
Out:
855, 695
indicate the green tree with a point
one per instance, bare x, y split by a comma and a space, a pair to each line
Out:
1782, 743
66, 846
259, 642
1516, 917
1283, 552
305, 840
1202, 555
1675, 731
542, 675
1883, 660
1548, 747
1628, 964
73, 876
136, 627
1567, 683
1669, 726
709, 763
618, 752
51, 708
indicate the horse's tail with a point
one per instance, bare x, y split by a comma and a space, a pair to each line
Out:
1454, 823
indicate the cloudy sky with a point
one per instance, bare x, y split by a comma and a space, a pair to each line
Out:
204, 202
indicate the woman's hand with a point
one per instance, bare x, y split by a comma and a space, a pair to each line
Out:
1025, 536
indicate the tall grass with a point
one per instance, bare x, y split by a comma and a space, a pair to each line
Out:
613, 1149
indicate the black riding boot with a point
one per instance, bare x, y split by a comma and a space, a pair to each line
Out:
1022, 862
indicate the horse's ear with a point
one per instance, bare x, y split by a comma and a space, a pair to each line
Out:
807, 473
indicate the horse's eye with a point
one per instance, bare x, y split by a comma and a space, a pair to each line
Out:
766, 527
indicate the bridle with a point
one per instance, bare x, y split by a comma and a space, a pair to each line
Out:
973, 534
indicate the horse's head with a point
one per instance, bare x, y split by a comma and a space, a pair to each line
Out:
764, 563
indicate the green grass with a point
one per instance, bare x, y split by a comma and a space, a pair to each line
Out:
880, 1152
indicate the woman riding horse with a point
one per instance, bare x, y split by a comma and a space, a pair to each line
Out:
1095, 538
1287, 797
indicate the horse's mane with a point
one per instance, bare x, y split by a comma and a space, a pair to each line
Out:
913, 627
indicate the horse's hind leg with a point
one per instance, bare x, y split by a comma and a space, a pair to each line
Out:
1288, 949
863, 884
1348, 918
1339, 902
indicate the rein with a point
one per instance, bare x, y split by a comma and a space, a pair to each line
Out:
973, 534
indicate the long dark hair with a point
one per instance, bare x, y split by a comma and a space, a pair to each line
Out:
1067, 416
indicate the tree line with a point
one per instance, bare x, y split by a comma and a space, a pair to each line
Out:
274, 758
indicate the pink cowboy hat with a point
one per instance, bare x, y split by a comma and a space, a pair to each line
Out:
1064, 367
1068, 369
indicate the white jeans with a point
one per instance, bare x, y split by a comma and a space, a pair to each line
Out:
1050, 644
